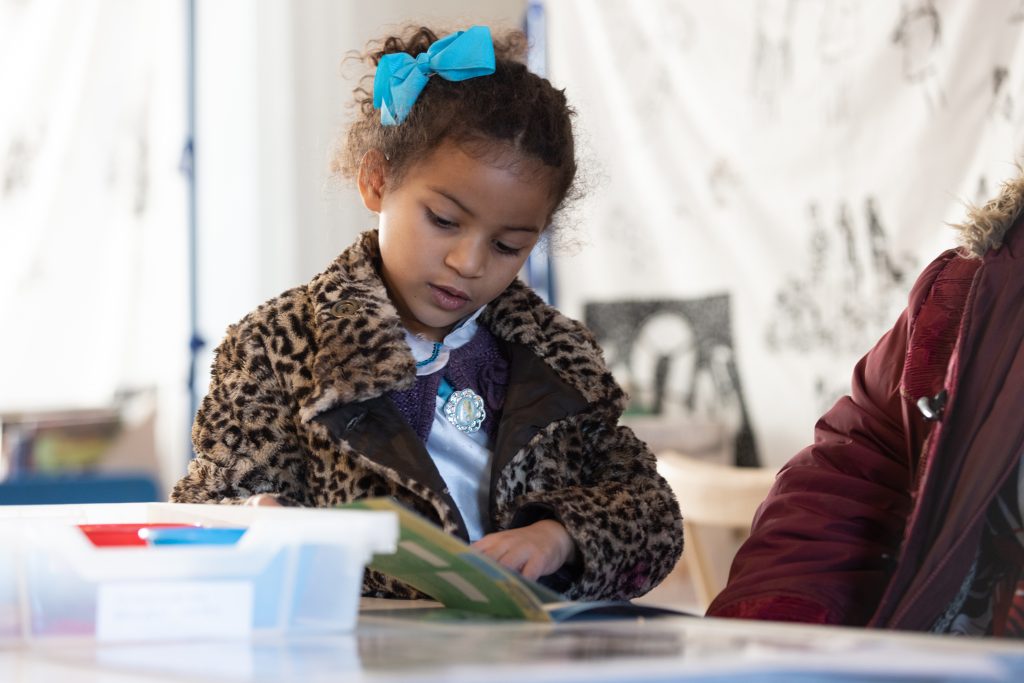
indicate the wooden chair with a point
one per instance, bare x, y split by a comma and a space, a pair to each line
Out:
712, 495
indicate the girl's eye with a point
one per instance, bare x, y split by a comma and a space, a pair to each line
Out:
506, 249
438, 221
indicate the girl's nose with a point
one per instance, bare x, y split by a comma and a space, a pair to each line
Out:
467, 257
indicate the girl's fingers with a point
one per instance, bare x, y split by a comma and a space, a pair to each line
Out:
263, 500
534, 568
509, 556
490, 547
532, 551
514, 559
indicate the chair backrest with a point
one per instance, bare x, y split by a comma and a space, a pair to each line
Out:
75, 489
712, 493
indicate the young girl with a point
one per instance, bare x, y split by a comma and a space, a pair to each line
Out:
417, 366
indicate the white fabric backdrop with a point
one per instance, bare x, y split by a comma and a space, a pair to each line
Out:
93, 212
772, 176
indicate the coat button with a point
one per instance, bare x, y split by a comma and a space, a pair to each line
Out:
343, 308
931, 406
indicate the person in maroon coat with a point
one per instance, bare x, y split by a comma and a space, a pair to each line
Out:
905, 513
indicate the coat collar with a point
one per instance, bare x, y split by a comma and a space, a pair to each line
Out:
519, 316
360, 345
359, 340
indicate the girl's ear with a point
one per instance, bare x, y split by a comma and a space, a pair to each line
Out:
370, 179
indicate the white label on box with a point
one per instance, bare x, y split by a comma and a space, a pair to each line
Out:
150, 610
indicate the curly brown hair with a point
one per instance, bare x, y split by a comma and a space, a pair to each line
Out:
513, 107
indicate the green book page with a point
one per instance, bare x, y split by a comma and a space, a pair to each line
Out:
452, 573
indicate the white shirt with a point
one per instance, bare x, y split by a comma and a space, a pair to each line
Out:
462, 458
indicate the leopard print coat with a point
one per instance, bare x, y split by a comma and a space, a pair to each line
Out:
297, 407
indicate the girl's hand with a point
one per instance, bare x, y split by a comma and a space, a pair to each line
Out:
534, 551
263, 500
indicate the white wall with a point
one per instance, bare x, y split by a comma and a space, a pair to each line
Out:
92, 207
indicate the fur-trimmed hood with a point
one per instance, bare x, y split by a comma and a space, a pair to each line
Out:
360, 341
986, 225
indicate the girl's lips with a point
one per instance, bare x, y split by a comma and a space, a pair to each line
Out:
449, 299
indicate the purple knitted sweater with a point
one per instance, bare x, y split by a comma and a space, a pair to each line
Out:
477, 365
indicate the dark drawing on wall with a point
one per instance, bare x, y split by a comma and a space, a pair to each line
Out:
981, 193
890, 273
646, 54
1002, 97
128, 172
918, 33
851, 270
618, 226
839, 38
773, 50
723, 183
677, 360
17, 165
853, 286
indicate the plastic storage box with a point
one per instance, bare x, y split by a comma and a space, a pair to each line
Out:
292, 571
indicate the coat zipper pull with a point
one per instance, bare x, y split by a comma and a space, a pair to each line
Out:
931, 406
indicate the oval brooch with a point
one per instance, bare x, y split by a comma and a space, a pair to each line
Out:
465, 410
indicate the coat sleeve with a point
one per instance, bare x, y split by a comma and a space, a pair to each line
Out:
244, 435
823, 542
620, 512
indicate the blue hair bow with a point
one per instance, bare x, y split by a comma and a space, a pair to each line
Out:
400, 77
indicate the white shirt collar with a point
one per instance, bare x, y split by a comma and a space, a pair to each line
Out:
433, 356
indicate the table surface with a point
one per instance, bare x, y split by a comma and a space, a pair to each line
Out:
416, 644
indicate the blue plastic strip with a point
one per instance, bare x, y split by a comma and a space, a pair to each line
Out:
191, 536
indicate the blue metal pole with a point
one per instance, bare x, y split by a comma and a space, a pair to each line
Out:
540, 271
188, 169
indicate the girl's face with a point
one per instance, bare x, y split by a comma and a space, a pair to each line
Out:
454, 232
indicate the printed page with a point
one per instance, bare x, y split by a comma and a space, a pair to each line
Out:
451, 572
458, 577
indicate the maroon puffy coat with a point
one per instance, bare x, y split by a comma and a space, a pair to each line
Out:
879, 521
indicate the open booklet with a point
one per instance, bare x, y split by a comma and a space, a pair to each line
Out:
460, 578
